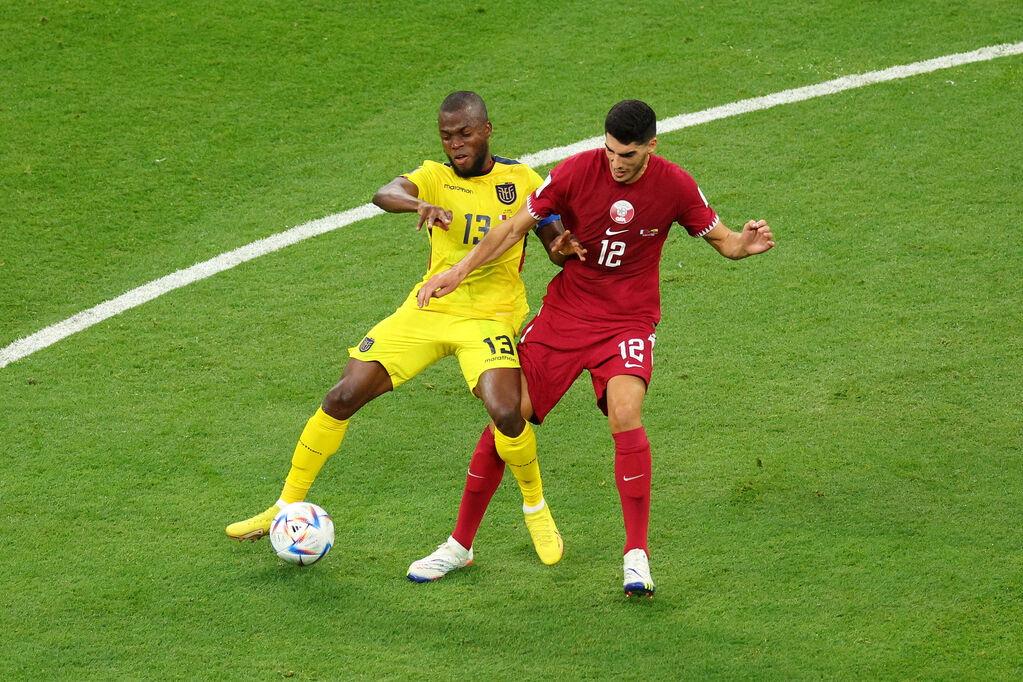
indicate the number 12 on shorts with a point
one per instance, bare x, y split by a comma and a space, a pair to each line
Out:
500, 344
635, 349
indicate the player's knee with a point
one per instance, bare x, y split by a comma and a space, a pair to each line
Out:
341, 402
624, 417
508, 420
360, 383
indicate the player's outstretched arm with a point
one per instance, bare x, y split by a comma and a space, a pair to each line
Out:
497, 241
401, 195
754, 238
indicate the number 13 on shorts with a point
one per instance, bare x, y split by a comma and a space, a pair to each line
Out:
500, 344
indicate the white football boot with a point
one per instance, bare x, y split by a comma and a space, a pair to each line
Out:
449, 556
637, 574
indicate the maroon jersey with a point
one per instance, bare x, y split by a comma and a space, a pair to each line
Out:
623, 228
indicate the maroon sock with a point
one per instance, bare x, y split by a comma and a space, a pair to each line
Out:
632, 475
486, 469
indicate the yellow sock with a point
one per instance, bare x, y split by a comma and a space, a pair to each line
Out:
520, 455
320, 439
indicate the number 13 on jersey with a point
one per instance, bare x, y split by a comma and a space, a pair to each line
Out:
477, 227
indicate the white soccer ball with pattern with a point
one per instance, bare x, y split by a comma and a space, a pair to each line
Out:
302, 533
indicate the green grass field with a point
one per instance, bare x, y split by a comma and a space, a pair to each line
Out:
836, 425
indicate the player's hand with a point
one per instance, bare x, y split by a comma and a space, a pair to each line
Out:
433, 216
756, 236
567, 245
441, 284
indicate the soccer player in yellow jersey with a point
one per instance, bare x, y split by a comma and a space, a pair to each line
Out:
458, 202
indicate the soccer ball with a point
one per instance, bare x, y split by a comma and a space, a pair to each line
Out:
302, 533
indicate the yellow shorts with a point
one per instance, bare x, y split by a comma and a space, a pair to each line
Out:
410, 340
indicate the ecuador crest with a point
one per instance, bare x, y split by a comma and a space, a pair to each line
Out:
506, 193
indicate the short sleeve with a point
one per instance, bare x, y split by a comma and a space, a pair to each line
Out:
544, 200
694, 212
426, 180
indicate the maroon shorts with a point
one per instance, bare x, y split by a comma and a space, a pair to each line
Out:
555, 349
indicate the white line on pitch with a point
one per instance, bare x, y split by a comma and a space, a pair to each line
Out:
136, 297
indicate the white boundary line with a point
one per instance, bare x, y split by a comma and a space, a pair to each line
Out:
225, 261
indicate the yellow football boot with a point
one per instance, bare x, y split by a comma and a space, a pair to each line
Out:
254, 528
546, 538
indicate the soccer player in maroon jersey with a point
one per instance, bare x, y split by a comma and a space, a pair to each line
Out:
600, 311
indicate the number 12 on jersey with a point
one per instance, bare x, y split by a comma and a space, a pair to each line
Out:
611, 253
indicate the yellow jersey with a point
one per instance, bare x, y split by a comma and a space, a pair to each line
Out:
493, 291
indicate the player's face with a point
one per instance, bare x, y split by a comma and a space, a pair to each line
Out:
466, 141
627, 161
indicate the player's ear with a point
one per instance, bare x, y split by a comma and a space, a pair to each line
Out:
652, 144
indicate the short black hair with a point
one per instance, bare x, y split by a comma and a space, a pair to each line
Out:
631, 121
468, 101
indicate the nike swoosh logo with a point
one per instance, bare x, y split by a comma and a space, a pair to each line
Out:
474, 475
632, 478
632, 364
610, 233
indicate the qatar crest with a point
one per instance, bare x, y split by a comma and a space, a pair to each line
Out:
506, 193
